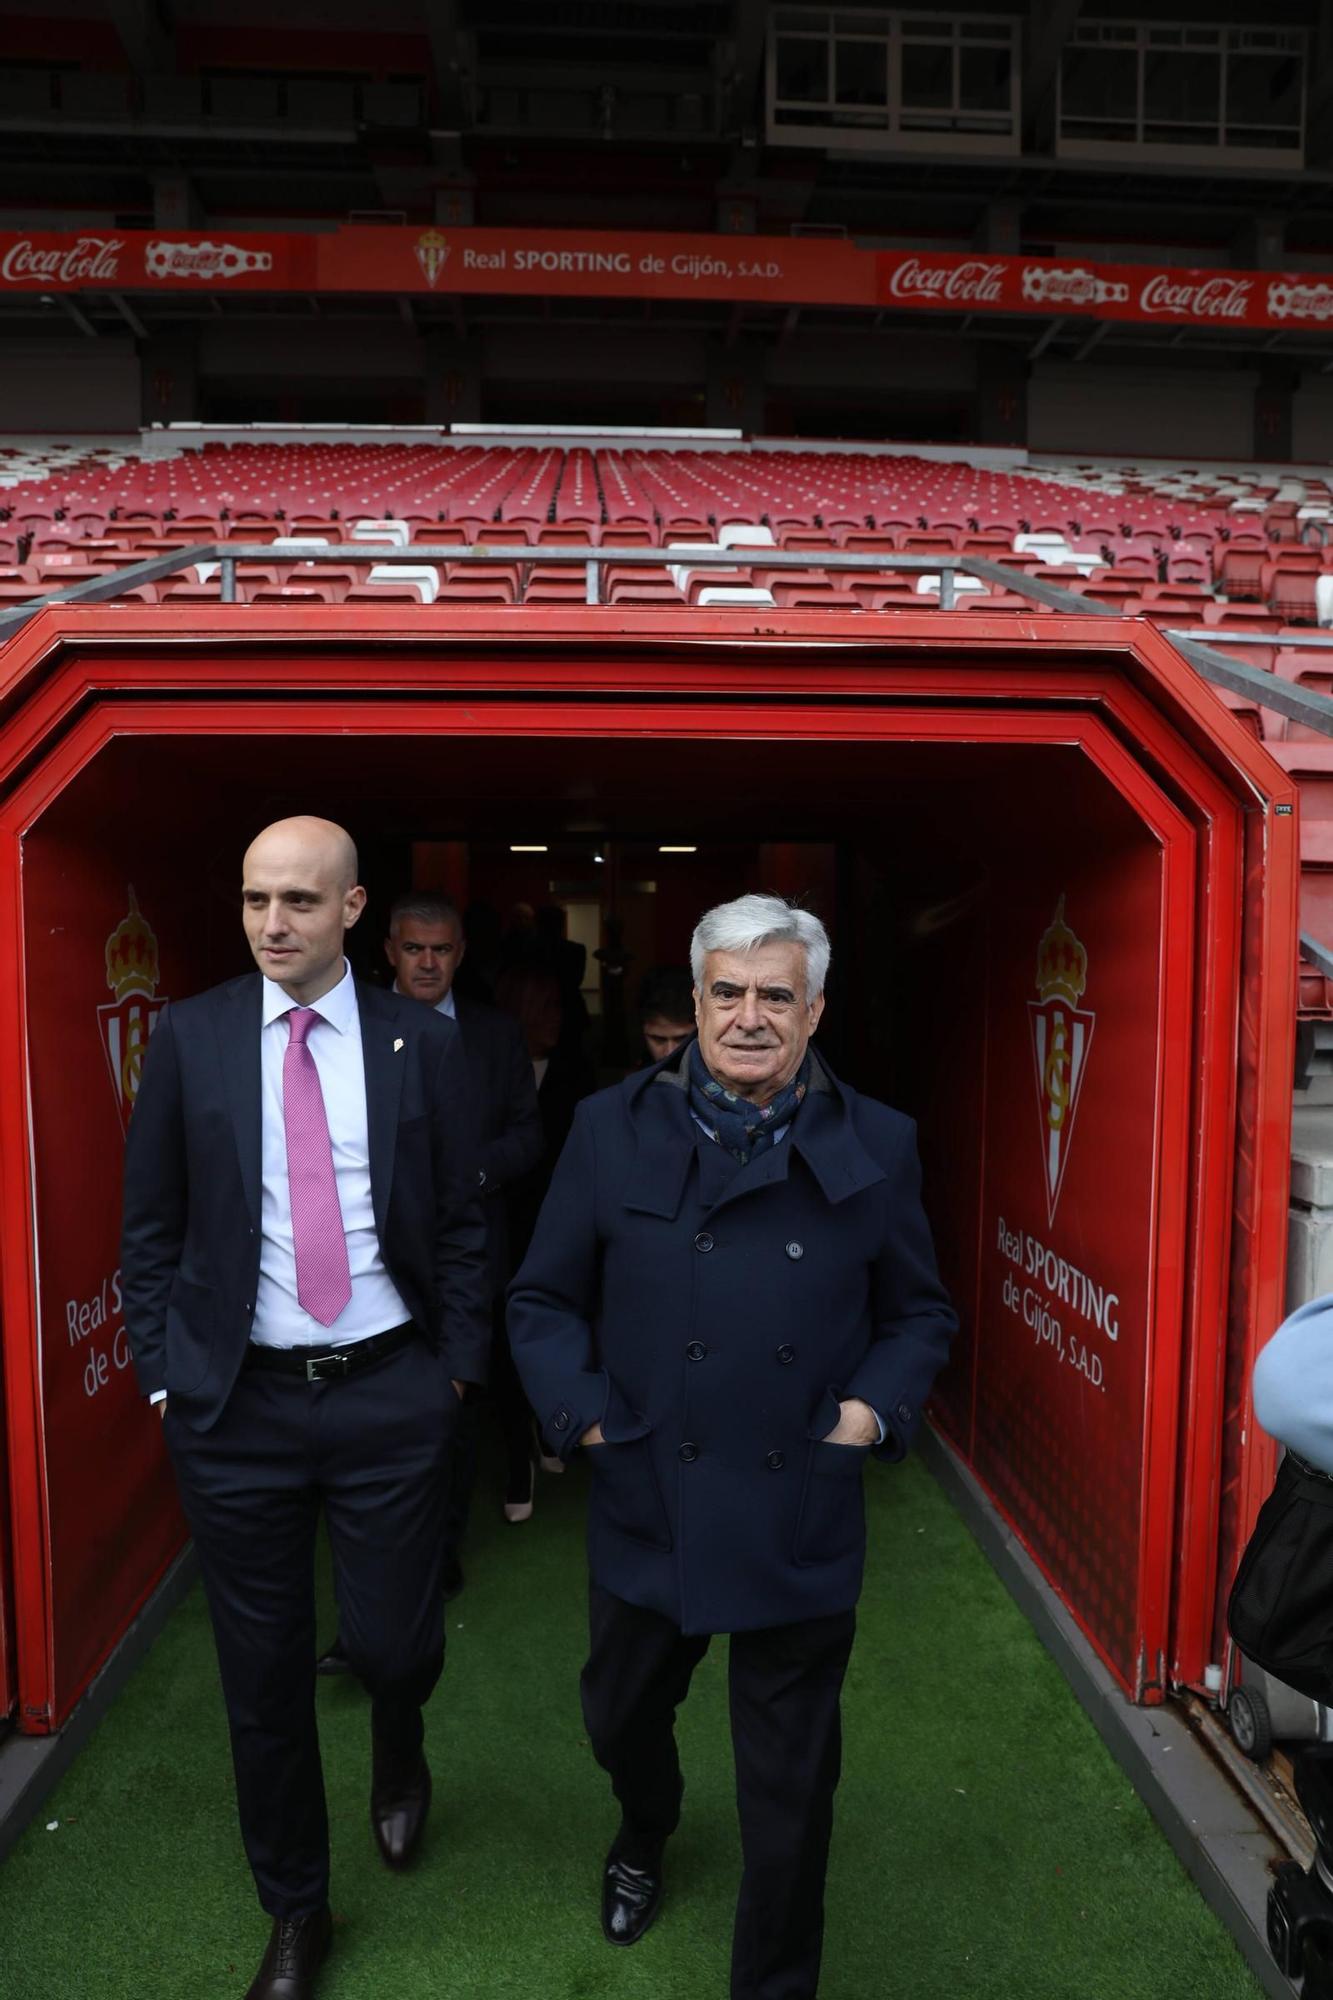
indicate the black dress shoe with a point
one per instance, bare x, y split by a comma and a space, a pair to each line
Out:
631, 1895
399, 1803
335, 1661
296, 1950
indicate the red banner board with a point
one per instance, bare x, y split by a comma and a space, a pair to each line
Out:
596, 264
1067, 286
143, 260
1066, 1232
777, 270
101, 963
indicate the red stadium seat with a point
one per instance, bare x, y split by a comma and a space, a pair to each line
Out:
889, 597
1291, 593
556, 535
808, 597
1241, 573
292, 593
459, 593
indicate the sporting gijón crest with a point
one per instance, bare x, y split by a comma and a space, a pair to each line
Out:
1061, 1039
127, 1021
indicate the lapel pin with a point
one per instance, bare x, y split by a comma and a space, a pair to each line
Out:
397, 1045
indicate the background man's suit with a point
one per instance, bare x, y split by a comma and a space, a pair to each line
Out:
507, 1121
257, 1453
711, 1316
509, 1146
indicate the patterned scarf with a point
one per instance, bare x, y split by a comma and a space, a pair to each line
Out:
743, 1129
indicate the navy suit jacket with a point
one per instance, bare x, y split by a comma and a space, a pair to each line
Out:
711, 1318
190, 1241
508, 1122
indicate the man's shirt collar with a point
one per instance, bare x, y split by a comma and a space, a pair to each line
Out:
445, 1006
337, 1006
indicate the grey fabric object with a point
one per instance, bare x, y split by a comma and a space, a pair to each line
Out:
1293, 1383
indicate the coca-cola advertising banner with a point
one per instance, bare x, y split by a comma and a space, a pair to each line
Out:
605, 264
143, 260
1059, 286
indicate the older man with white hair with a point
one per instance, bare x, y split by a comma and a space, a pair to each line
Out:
731, 1302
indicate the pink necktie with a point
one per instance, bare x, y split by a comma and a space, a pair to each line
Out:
323, 1281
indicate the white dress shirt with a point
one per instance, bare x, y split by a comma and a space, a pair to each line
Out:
335, 1043
445, 1006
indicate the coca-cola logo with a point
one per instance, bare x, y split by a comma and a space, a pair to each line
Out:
203, 260
1044, 284
972, 282
90, 260
1289, 298
1205, 298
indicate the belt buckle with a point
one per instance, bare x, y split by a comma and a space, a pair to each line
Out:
327, 1367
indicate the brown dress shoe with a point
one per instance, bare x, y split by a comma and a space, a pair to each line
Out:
296, 1950
399, 1803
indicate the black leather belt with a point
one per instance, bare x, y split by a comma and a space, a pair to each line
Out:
333, 1364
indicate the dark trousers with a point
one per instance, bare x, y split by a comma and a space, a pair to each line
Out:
784, 1685
504, 1393
373, 1451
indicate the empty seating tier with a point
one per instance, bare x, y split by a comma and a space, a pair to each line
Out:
1234, 554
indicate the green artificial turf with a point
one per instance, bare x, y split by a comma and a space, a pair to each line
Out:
986, 1845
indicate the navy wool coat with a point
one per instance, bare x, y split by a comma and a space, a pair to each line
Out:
711, 1317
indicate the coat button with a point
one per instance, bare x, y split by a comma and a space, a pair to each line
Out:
795, 1250
786, 1354
703, 1241
904, 1413
775, 1461
561, 1421
688, 1453
695, 1351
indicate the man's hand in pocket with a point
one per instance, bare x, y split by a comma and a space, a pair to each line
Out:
857, 1424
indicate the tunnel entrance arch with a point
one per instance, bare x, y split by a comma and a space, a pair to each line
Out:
1094, 976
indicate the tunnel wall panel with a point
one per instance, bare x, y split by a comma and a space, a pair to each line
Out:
110, 909
1065, 1301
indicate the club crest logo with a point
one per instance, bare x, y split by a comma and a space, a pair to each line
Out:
432, 254
1061, 1038
127, 1021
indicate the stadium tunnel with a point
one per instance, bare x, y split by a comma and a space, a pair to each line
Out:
1061, 881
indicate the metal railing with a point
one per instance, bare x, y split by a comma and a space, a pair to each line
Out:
593, 561
1300, 704
1266, 690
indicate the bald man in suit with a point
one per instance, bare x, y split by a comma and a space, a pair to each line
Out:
306, 1298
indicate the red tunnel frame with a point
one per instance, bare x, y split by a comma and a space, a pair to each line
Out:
75, 677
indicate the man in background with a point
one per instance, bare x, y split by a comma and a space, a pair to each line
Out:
426, 946
666, 1011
